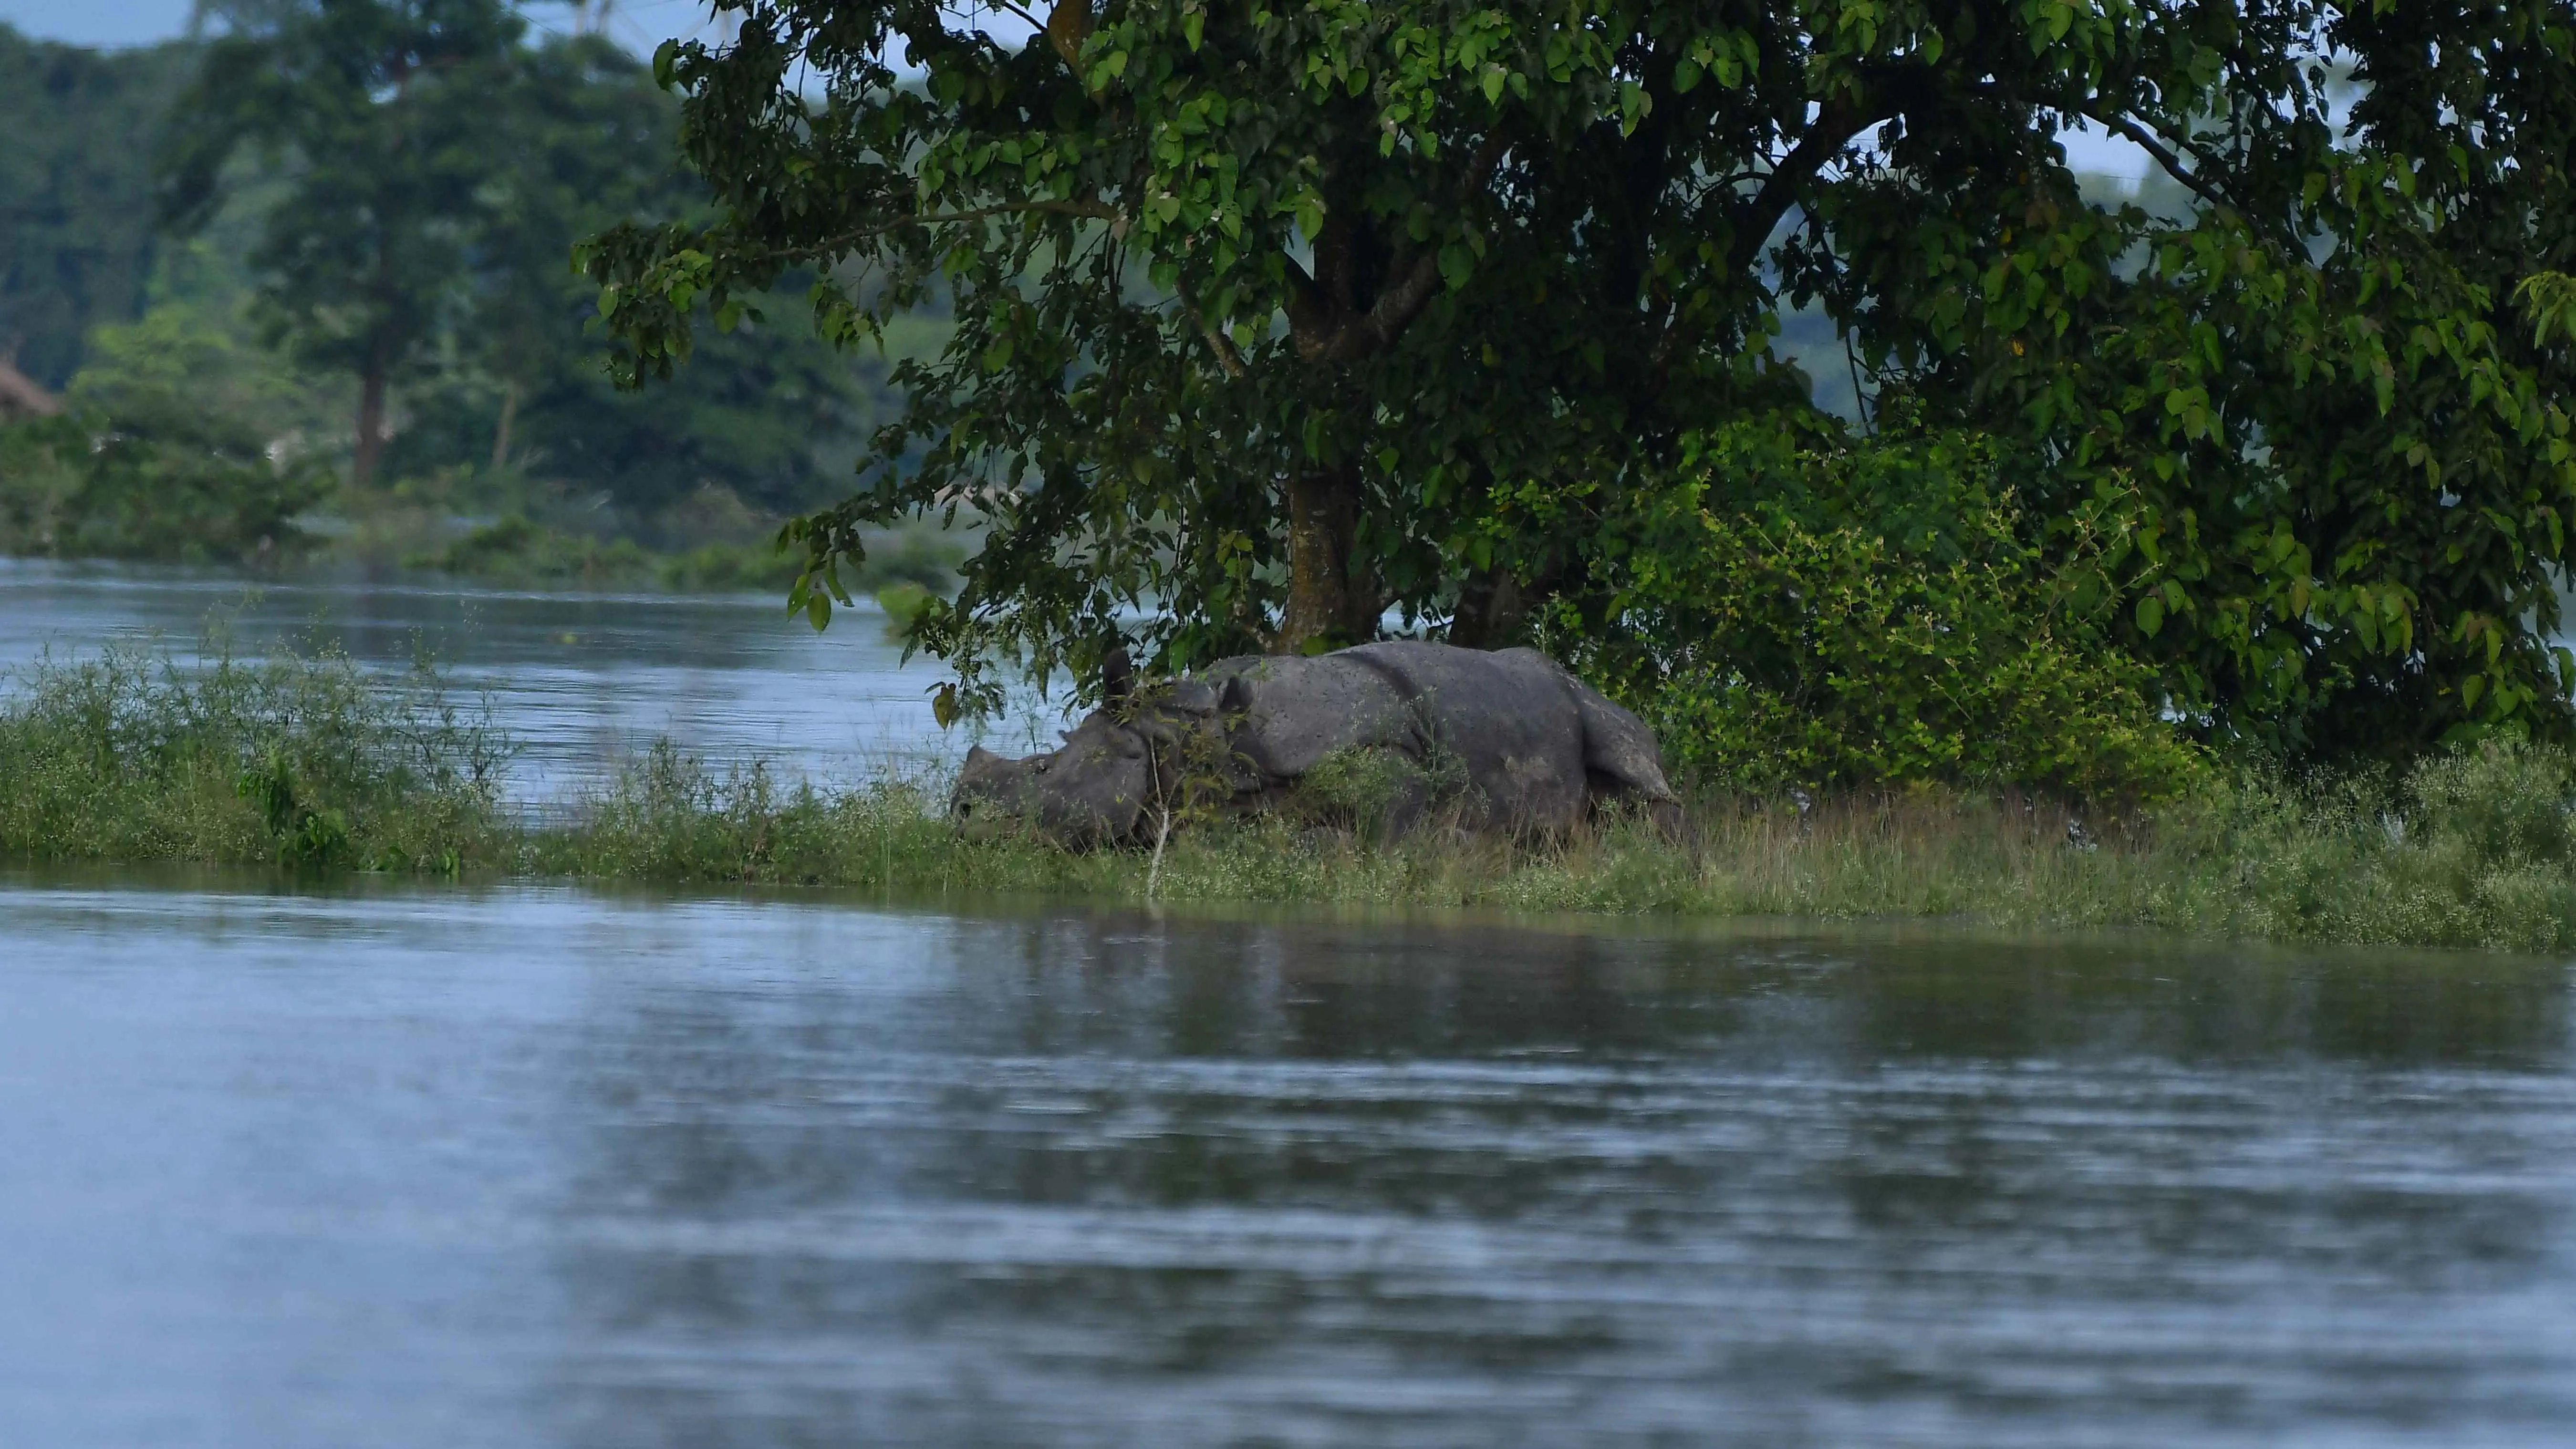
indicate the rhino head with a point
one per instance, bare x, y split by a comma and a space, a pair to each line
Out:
1116, 767
1091, 792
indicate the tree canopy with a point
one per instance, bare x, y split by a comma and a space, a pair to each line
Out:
382, 110
77, 244
430, 170
582, 138
1273, 320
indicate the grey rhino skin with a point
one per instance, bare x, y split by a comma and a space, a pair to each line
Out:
1537, 746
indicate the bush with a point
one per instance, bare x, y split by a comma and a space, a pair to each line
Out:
1800, 609
2470, 847
176, 488
308, 762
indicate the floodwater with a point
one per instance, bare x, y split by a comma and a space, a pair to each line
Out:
410, 1165
578, 681
526, 1167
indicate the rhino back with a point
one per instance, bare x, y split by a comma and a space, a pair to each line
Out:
1290, 711
1507, 717
1619, 751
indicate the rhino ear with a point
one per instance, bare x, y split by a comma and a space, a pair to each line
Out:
977, 754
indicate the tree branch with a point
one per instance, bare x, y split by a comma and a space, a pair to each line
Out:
1397, 306
1095, 210
2147, 141
1031, 21
1754, 220
1223, 346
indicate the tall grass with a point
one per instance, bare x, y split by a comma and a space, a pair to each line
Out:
311, 762
314, 764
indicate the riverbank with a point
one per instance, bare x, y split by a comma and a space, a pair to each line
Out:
313, 765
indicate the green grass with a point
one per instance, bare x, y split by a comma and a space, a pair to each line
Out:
315, 766
311, 763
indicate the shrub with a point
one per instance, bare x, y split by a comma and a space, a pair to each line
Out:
133, 756
1801, 609
178, 487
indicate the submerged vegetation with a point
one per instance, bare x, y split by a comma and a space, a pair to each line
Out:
314, 765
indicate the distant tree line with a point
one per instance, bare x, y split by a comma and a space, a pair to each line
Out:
369, 208
77, 244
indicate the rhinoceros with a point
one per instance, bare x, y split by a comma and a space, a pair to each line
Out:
1523, 745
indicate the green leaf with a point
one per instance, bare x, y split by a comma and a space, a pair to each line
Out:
1457, 265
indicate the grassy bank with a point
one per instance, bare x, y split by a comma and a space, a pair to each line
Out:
312, 765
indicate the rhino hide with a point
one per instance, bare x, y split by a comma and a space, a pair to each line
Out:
1510, 738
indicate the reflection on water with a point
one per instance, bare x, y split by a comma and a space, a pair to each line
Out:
541, 1167
577, 679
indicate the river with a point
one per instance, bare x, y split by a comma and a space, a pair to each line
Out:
413, 1165
578, 680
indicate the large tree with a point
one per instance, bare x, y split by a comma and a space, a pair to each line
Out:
421, 171
77, 244
1271, 319
382, 113
581, 137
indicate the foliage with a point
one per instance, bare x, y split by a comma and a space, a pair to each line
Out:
194, 354
2549, 298
903, 605
179, 486
2355, 473
186, 445
512, 550
1379, 794
1800, 608
76, 238
582, 137
1270, 317
381, 111
401, 181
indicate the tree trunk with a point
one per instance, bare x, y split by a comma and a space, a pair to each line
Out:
1333, 597
371, 426
1491, 608
501, 436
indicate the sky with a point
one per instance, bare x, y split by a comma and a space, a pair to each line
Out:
643, 24
98, 22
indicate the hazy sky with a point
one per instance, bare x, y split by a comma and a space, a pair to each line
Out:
98, 22
640, 23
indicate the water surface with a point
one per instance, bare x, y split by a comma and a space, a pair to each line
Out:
537, 1166
578, 680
